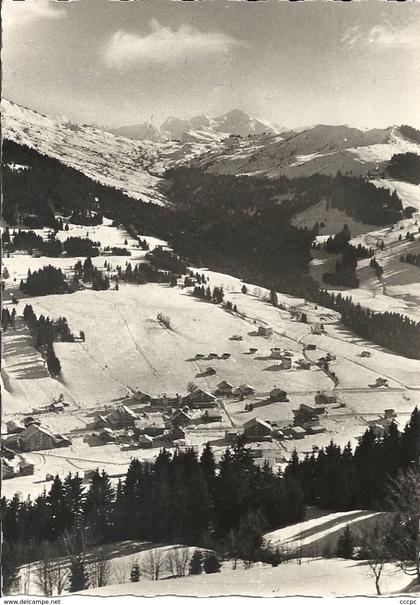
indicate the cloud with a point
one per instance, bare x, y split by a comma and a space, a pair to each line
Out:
383, 37
164, 45
16, 14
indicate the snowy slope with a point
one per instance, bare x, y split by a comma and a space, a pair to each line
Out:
323, 149
115, 161
135, 167
323, 577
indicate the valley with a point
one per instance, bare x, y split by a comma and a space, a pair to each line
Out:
202, 320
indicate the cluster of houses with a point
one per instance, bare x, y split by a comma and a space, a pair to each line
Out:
15, 466
25, 436
29, 436
288, 361
164, 421
380, 426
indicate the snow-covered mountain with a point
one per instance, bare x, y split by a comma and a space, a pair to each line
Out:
323, 149
137, 167
111, 160
200, 128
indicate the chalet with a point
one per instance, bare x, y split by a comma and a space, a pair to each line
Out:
265, 331
303, 364
143, 397
213, 356
278, 395
246, 389
200, 398
6, 452
7, 470
297, 432
56, 406
88, 475
165, 401
224, 388
366, 354
325, 398
180, 419
265, 451
390, 413
310, 347
26, 467
14, 426
126, 436
122, 417
379, 430
35, 438
199, 355
252, 350
145, 441
100, 421
12, 441
381, 382
276, 353
30, 420
256, 429
315, 429
152, 426
213, 415
236, 337
286, 363
314, 410
232, 434
225, 356
316, 330
62, 441
210, 371
107, 435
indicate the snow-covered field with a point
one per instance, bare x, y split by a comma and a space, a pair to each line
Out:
311, 577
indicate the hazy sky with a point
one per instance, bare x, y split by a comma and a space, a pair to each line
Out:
294, 63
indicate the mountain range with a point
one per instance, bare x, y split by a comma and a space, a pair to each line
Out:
200, 128
137, 166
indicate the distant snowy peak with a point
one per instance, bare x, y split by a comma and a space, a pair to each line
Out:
199, 128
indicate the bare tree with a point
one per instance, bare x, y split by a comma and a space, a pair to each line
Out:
153, 563
121, 572
404, 498
100, 572
374, 548
78, 541
177, 561
44, 569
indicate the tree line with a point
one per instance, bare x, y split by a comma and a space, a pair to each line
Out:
178, 498
346, 479
391, 330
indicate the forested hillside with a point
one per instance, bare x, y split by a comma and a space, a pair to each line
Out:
238, 225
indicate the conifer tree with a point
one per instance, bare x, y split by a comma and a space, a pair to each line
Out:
345, 544
196, 563
79, 578
135, 573
211, 563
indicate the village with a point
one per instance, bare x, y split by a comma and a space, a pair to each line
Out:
276, 375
